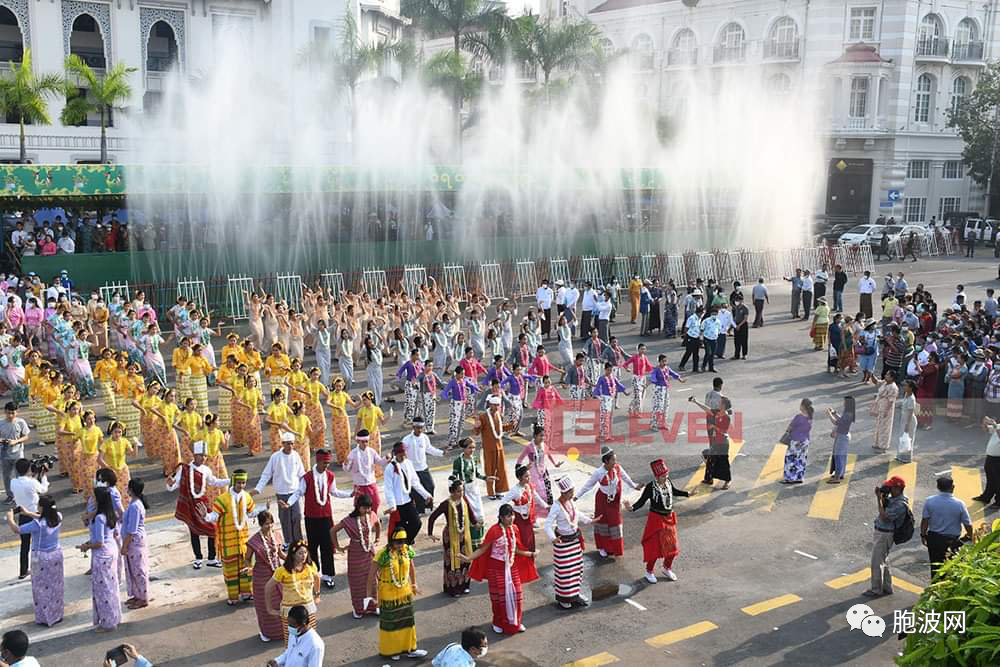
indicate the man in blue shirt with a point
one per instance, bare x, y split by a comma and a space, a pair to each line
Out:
941, 526
692, 338
710, 330
796, 282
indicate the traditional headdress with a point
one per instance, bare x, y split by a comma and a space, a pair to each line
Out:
659, 468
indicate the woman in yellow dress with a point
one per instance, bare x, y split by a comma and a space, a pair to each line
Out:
338, 400
104, 374
199, 368
112, 455
226, 376
88, 439
311, 395
179, 360
189, 422
166, 414
34, 374
247, 401
129, 387
147, 427
392, 581
251, 357
370, 417
232, 348
277, 366
296, 377
215, 442
300, 425
70, 425
49, 394
277, 417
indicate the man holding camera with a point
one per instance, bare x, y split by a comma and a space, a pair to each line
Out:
30, 483
892, 506
13, 434
14, 650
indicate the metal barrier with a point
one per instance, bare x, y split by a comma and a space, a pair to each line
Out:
413, 278
333, 283
288, 288
704, 267
238, 291
649, 266
490, 280
110, 289
623, 268
525, 282
590, 269
374, 283
559, 270
194, 291
675, 270
453, 279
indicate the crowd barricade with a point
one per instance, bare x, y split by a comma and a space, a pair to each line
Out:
374, 282
558, 270
525, 280
288, 288
238, 289
674, 270
651, 265
453, 279
413, 278
590, 270
896, 249
193, 289
109, 290
490, 280
622, 269
333, 283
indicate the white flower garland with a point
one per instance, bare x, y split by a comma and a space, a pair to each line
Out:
204, 482
364, 535
238, 523
489, 417
321, 501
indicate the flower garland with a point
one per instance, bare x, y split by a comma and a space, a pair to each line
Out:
658, 496
239, 523
321, 500
204, 483
364, 535
393, 576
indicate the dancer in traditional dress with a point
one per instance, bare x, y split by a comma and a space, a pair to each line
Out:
363, 528
134, 548
299, 582
265, 555
277, 418
163, 429
246, 414
317, 488
660, 378
231, 514
797, 437
103, 548
466, 468
363, 463
112, 455
192, 480
506, 564
606, 391
392, 581
88, 439
340, 425
456, 537
215, 442
659, 539
189, 423
312, 395
371, 418
537, 455
546, 401
525, 500
400, 481
563, 528
284, 470
610, 478
457, 392
427, 387
46, 559
491, 428
418, 446
639, 366
408, 375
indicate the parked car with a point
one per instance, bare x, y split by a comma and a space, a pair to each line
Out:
897, 232
985, 230
860, 234
833, 234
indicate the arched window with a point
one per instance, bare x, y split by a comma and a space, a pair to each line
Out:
967, 44
966, 31
783, 41
684, 49
607, 46
642, 49
732, 44
960, 89
779, 84
922, 102
929, 42
87, 42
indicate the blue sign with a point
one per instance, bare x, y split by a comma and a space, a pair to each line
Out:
885, 205
895, 195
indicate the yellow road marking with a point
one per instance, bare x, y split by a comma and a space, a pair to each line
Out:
828, 501
762, 494
849, 579
908, 472
593, 661
907, 586
773, 603
694, 485
674, 636
969, 484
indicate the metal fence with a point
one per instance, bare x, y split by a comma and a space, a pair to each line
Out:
491, 281
453, 279
333, 283
413, 278
525, 281
559, 270
121, 289
590, 270
374, 283
238, 289
289, 290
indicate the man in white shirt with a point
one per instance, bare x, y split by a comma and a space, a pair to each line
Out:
570, 297
17, 236
586, 309
400, 479
418, 446
560, 298
543, 297
66, 245
26, 488
305, 647
361, 463
316, 488
474, 645
725, 317
866, 287
283, 471
603, 307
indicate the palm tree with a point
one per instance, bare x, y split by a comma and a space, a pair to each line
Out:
23, 93
460, 20
100, 94
551, 44
447, 71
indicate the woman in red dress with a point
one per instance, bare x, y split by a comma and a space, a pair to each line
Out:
659, 539
506, 565
927, 383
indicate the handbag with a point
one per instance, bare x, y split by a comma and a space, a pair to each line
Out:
786, 438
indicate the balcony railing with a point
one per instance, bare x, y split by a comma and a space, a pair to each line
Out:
160, 63
932, 47
857, 123
730, 54
681, 57
10, 53
781, 50
967, 51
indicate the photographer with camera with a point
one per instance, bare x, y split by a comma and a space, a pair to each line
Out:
14, 650
13, 434
122, 654
29, 484
893, 508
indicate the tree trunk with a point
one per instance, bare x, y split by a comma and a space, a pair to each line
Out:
24, 149
548, 95
104, 139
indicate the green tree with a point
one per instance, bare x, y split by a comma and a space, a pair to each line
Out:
25, 95
99, 93
553, 44
977, 119
448, 72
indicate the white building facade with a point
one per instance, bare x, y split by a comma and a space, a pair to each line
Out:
155, 36
887, 71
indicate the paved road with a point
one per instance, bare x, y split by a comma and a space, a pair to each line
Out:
766, 572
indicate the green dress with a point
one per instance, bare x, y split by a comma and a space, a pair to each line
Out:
467, 470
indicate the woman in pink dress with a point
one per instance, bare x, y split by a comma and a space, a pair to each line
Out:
536, 454
264, 549
546, 400
362, 527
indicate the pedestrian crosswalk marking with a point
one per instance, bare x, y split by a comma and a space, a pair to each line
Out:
593, 661
694, 485
764, 492
968, 485
907, 586
908, 473
674, 636
773, 603
828, 500
864, 574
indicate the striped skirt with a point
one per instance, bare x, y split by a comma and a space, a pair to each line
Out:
88, 472
183, 388
46, 426
109, 399
317, 428
359, 564
218, 465
341, 429
137, 569
199, 390
104, 587
225, 411
567, 567
129, 415
47, 586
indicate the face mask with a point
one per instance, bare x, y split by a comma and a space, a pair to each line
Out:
483, 651
99, 484
293, 632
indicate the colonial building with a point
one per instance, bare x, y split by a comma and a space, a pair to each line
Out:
886, 73
156, 36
